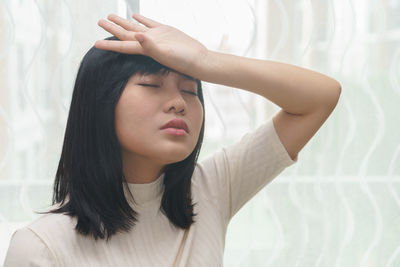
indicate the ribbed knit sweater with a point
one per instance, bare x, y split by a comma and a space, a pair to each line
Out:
221, 184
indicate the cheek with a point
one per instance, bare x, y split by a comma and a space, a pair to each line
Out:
131, 116
197, 119
199, 115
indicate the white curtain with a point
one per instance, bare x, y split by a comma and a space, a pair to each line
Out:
338, 206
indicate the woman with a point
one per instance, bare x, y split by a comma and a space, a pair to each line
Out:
128, 189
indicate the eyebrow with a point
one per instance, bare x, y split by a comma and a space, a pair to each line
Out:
187, 77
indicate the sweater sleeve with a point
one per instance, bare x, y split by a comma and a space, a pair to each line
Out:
234, 174
27, 249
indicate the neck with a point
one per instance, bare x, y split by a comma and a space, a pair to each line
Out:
140, 170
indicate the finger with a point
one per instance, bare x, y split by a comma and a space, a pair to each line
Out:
116, 30
126, 24
146, 21
126, 47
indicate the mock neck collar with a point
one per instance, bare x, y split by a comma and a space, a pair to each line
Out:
144, 194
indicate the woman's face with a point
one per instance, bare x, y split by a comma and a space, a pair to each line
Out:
142, 110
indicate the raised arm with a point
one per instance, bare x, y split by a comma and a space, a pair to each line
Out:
306, 97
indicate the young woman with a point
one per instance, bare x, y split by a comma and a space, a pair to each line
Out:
128, 189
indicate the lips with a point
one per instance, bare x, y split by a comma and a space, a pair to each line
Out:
176, 123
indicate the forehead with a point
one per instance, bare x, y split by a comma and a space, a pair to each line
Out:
164, 74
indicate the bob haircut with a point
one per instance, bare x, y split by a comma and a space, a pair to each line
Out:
89, 179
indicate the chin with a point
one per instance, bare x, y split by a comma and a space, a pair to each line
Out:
171, 160
175, 157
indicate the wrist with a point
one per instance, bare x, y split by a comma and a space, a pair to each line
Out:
204, 65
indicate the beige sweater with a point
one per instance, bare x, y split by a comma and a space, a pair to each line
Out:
221, 185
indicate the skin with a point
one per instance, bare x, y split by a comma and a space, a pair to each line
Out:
306, 97
140, 113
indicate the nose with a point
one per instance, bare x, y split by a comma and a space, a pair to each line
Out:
176, 102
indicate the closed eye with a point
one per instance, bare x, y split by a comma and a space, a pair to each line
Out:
150, 85
190, 92
155, 85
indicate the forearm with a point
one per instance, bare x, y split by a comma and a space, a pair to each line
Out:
296, 90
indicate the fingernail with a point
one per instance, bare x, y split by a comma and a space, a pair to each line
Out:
99, 42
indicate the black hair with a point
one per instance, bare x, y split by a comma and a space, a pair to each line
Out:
89, 179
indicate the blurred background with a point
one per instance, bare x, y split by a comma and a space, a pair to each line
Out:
338, 206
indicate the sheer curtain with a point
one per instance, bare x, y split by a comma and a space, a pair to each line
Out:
339, 206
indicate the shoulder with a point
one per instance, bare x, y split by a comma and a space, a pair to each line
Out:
39, 242
53, 228
27, 249
49, 221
